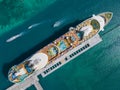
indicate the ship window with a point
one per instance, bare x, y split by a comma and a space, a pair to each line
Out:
70, 55
44, 72
55, 65
66, 59
74, 53
77, 51
48, 69
59, 62
84, 47
81, 49
51, 68
88, 45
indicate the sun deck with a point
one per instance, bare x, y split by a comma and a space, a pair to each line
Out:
67, 41
60, 45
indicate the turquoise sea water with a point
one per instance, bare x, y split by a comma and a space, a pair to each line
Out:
15, 12
96, 69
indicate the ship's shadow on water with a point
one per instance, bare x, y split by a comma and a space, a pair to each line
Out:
25, 55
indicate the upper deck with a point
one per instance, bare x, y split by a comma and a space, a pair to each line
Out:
73, 38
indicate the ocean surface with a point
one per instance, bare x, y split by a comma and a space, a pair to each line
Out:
96, 69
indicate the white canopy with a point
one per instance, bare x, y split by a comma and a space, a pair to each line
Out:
39, 60
86, 30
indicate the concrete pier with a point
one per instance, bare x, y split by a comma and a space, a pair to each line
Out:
38, 86
33, 79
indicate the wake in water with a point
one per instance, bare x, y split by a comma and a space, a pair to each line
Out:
56, 24
25, 32
34, 25
15, 37
37, 24
59, 22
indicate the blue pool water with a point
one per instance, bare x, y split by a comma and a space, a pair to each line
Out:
62, 46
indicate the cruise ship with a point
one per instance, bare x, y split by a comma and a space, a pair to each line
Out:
60, 47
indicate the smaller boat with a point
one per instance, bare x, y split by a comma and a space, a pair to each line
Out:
58, 23
33, 25
14, 37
